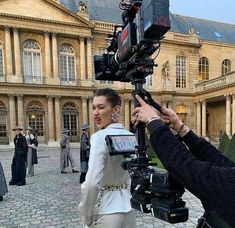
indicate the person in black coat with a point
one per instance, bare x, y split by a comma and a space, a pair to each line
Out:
3, 184
205, 172
18, 166
84, 152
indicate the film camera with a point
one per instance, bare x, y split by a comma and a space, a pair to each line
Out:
129, 59
144, 25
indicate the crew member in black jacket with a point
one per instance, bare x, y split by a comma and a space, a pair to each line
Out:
18, 166
205, 171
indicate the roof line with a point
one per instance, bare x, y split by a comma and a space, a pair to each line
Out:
202, 19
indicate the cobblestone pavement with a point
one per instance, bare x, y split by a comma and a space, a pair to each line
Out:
50, 199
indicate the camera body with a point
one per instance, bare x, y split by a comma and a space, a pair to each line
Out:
153, 190
144, 25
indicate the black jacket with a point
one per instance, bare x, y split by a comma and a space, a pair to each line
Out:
21, 146
85, 148
205, 172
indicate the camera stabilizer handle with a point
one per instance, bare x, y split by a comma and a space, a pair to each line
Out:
149, 100
138, 81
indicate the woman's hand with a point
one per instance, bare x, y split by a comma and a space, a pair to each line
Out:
145, 113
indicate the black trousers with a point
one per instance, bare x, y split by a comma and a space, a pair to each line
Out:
18, 169
82, 178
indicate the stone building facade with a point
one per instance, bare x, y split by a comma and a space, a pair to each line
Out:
47, 73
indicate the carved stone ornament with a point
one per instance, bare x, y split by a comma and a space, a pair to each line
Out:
82, 7
165, 71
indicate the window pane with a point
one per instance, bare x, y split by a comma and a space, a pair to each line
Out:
71, 68
28, 67
63, 68
70, 122
67, 63
36, 122
36, 67
203, 72
180, 72
226, 66
3, 125
32, 62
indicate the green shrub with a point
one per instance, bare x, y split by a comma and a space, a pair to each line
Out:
152, 154
223, 142
229, 151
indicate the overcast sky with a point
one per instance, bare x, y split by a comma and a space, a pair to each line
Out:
216, 10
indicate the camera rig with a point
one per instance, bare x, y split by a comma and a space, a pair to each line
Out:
129, 59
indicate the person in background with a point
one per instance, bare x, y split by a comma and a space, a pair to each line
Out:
32, 151
84, 152
18, 166
65, 154
3, 184
105, 194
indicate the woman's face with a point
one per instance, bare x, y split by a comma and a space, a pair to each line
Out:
103, 110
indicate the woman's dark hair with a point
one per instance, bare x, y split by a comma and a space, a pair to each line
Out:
112, 96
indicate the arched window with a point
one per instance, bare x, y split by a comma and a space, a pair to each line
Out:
182, 112
67, 63
70, 120
203, 73
35, 115
3, 121
1, 63
226, 67
32, 62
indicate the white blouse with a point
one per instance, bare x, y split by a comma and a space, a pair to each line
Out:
105, 170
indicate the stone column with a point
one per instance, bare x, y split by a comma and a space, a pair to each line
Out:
17, 52
58, 118
12, 117
84, 111
233, 116
20, 107
48, 54
82, 59
8, 51
55, 56
127, 114
204, 118
89, 60
199, 118
228, 115
91, 117
51, 126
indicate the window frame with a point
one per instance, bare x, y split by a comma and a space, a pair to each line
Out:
181, 72
33, 53
70, 53
225, 69
203, 69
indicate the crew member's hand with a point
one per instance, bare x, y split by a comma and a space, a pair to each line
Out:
171, 118
145, 113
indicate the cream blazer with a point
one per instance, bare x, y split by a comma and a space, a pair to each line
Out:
104, 170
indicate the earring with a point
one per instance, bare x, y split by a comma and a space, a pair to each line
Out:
115, 117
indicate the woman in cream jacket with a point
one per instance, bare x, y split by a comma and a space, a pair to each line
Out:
105, 195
